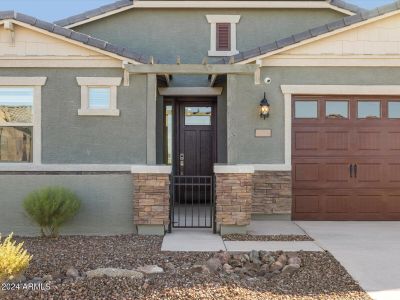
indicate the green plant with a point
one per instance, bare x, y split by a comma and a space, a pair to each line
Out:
51, 207
14, 260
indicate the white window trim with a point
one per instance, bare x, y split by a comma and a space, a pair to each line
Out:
36, 83
108, 82
213, 20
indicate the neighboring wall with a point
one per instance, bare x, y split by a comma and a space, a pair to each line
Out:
107, 206
166, 33
71, 139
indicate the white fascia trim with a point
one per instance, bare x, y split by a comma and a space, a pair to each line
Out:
190, 91
22, 81
218, 4
223, 19
68, 40
99, 112
99, 81
151, 169
24, 167
332, 61
213, 20
320, 37
341, 89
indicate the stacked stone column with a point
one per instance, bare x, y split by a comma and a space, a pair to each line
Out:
151, 202
233, 201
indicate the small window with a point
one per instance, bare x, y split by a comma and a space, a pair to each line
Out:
337, 109
306, 109
394, 109
369, 109
198, 116
99, 97
168, 134
223, 36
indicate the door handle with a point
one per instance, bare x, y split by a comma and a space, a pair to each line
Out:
351, 171
181, 163
355, 170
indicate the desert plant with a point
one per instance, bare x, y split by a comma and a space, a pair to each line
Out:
51, 207
14, 260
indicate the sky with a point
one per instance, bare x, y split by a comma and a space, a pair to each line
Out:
52, 10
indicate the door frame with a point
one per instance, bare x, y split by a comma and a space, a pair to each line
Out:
177, 102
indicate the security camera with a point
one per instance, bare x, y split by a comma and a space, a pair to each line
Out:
267, 80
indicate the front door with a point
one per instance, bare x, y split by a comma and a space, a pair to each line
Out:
196, 139
192, 196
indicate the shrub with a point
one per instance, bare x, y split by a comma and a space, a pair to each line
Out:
14, 260
51, 207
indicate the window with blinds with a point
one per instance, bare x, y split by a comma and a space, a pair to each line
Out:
99, 98
223, 36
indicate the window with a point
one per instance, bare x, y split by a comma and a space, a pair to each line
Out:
99, 96
306, 109
16, 124
337, 109
168, 131
198, 116
223, 34
369, 109
394, 109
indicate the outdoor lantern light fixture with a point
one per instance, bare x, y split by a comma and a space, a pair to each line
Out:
264, 108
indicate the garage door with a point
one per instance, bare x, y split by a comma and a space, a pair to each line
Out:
346, 158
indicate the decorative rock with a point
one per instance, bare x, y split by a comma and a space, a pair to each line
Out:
227, 268
294, 260
276, 266
72, 272
47, 277
150, 269
199, 269
235, 263
223, 257
255, 257
246, 257
112, 272
282, 259
267, 259
289, 269
169, 266
18, 279
213, 264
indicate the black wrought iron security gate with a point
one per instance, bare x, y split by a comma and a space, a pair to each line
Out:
192, 202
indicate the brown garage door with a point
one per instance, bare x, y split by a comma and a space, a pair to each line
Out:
346, 158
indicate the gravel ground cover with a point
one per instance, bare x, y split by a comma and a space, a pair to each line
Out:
269, 238
320, 277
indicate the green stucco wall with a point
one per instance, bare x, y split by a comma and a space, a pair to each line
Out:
107, 203
167, 33
72, 139
243, 118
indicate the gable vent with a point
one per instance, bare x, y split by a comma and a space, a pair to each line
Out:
223, 36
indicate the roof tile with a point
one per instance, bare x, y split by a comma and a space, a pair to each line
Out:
336, 25
305, 35
285, 42
319, 30
77, 36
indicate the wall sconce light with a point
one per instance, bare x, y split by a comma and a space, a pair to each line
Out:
264, 108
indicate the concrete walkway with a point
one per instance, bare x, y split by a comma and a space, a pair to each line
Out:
247, 246
202, 240
370, 252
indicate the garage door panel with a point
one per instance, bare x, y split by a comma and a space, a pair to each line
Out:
346, 164
307, 202
339, 203
337, 140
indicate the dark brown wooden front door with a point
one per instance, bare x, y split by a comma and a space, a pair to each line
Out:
196, 135
346, 158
